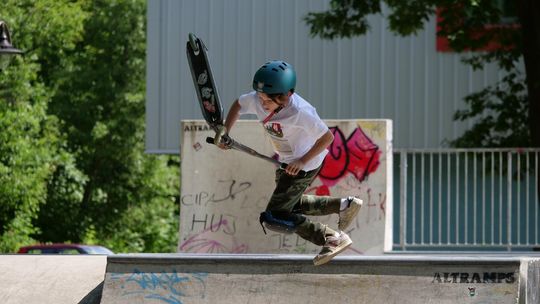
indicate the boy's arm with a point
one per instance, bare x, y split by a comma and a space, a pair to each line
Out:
232, 117
322, 143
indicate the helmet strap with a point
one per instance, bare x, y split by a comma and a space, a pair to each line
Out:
279, 108
272, 114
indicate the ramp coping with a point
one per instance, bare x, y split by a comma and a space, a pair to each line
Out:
304, 258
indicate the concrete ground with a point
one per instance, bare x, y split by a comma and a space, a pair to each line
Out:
43, 279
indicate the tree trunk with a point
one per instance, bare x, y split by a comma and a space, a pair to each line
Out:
529, 14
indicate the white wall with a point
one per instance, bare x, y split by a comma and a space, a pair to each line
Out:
223, 192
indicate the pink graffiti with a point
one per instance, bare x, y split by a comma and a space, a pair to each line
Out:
357, 155
321, 190
203, 242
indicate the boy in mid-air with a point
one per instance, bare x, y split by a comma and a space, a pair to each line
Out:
300, 138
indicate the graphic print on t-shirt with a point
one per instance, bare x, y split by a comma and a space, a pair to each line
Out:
274, 129
281, 145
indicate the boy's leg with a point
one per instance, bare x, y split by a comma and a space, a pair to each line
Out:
288, 194
347, 208
289, 190
348, 211
318, 205
333, 245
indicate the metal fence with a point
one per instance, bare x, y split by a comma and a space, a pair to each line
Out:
466, 199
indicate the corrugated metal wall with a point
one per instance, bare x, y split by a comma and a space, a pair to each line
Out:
374, 76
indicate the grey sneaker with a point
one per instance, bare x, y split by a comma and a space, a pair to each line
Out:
347, 216
333, 246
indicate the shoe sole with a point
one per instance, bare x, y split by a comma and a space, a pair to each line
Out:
327, 258
357, 208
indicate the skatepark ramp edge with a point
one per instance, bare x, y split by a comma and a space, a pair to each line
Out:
274, 278
256, 278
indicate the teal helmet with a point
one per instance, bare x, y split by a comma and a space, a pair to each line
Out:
275, 77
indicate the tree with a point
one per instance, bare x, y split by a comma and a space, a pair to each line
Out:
129, 201
513, 104
32, 145
72, 162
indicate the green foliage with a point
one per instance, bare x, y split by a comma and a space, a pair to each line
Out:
72, 162
467, 34
147, 225
498, 111
501, 111
411, 17
344, 19
128, 195
32, 146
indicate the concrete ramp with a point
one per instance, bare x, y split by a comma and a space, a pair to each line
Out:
273, 279
58, 279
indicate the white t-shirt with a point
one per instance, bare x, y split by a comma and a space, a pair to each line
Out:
293, 130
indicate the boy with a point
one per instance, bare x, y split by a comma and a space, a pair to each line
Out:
300, 138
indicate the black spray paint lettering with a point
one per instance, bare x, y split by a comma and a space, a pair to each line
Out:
376, 210
288, 241
465, 277
215, 226
194, 128
204, 198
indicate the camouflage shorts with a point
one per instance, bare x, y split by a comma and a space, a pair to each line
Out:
289, 199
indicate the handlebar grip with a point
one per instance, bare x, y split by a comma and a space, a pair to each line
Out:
226, 140
301, 173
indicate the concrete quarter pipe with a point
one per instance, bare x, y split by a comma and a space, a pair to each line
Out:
184, 278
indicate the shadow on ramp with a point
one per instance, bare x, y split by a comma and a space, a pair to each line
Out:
94, 296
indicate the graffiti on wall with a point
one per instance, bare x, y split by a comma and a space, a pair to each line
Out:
356, 155
222, 215
203, 242
349, 162
167, 286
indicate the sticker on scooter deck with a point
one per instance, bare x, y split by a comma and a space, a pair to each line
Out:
197, 55
205, 85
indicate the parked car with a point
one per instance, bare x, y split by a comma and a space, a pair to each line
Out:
64, 249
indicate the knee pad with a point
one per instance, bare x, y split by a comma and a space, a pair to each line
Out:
284, 224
